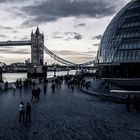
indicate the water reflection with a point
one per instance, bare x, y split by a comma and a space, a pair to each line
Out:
12, 77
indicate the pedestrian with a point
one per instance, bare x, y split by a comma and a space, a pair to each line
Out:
17, 83
128, 102
53, 87
45, 88
21, 112
38, 91
33, 94
14, 87
72, 88
28, 113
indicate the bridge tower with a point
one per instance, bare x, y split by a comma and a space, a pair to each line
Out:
37, 52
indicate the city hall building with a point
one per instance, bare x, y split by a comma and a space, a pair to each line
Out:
118, 56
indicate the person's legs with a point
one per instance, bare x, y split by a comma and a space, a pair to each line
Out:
29, 117
23, 116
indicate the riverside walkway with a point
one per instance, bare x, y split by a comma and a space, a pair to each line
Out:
66, 115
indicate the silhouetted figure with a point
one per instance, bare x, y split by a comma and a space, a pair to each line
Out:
128, 102
34, 83
45, 88
28, 113
33, 94
6, 85
17, 83
21, 112
38, 91
53, 87
72, 88
14, 88
20, 83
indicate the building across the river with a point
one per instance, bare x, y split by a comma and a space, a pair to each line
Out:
118, 57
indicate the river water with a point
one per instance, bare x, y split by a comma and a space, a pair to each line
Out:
12, 77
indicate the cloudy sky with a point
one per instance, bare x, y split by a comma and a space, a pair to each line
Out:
72, 28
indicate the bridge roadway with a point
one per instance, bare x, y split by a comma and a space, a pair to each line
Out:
15, 43
66, 115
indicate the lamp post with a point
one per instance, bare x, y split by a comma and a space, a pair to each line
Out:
76, 69
82, 70
34, 71
54, 71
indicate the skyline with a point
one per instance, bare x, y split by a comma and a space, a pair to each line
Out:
72, 28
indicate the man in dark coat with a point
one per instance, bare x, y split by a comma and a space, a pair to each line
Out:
28, 113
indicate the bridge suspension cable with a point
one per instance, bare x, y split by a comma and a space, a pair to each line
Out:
63, 61
57, 58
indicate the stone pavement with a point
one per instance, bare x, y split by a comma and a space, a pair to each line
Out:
66, 115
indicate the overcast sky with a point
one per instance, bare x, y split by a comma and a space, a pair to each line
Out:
72, 28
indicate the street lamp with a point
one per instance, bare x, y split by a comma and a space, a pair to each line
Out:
34, 71
76, 69
54, 71
82, 70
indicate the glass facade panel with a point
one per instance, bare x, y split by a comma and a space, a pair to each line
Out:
121, 40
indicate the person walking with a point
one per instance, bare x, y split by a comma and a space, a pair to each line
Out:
45, 88
14, 88
53, 87
21, 112
38, 91
28, 113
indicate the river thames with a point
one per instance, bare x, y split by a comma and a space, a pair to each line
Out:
12, 77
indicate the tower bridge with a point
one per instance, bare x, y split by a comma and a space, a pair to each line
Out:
38, 48
15, 43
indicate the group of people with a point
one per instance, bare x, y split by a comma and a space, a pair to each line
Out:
56, 83
77, 81
24, 112
36, 94
135, 102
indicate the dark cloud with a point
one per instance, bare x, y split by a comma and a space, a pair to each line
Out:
80, 25
73, 35
98, 37
78, 37
52, 10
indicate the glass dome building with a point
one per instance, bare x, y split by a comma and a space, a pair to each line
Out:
118, 55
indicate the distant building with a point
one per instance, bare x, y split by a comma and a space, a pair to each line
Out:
27, 61
118, 58
37, 51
